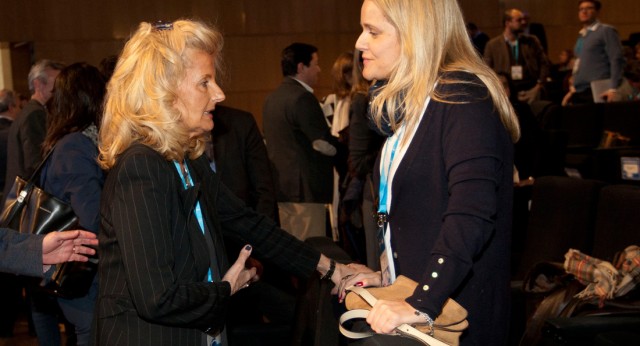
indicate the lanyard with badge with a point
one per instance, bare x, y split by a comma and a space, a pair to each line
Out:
516, 70
394, 144
185, 176
384, 237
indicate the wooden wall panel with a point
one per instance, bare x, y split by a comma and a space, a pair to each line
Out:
257, 30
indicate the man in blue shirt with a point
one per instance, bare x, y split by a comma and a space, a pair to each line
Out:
599, 55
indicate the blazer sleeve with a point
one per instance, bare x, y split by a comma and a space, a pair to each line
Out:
270, 242
20, 254
143, 224
310, 118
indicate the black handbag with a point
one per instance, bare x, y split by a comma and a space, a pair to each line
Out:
29, 209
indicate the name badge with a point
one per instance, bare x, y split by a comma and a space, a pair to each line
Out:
516, 72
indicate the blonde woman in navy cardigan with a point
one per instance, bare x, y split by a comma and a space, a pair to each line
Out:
445, 171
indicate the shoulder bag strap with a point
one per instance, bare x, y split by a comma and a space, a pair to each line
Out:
403, 329
36, 172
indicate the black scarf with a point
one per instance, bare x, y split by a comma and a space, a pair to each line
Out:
385, 123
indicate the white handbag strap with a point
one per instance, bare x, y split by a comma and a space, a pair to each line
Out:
403, 329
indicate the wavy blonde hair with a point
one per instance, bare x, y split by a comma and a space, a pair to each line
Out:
433, 40
141, 94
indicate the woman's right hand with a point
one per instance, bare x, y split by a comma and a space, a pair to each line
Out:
363, 277
239, 276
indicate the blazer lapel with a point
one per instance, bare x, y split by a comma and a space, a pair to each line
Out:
208, 183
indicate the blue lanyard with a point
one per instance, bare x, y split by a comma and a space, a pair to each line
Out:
578, 49
516, 51
384, 176
197, 211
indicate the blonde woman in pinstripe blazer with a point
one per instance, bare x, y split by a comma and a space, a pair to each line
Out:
164, 278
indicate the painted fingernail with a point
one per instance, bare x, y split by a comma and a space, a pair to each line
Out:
248, 247
359, 284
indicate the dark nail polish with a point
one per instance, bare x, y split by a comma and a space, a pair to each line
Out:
248, 247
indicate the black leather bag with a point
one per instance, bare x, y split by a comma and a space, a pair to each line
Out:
29, 209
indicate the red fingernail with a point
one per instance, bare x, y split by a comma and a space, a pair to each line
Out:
359, 284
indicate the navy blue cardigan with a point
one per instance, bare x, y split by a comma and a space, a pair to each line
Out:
450, 215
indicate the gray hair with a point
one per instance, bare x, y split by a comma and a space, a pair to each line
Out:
7, 99
39, 71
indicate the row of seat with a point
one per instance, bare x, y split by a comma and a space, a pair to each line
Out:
597, 218
571, 137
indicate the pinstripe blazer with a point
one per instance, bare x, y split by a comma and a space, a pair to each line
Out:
154, 257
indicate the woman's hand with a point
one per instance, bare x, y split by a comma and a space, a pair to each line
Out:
356, 275
239, 276
386, 316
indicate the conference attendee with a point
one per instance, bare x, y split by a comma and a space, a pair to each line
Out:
599, 57
163, 272
27, 132
239, 157
299, 144
445, 173
72, 173
520, 56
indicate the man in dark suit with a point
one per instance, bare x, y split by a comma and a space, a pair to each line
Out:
520, 56
298, 143
28, 131
239, 156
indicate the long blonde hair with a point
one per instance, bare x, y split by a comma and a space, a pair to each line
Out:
433, 40
143, 89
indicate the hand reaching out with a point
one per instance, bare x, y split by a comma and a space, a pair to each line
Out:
66, 246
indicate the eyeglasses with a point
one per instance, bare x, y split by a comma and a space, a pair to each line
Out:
161, 25
586, 8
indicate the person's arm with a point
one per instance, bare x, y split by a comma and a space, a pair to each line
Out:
20, 253
269, 242
31, 255
311, 121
